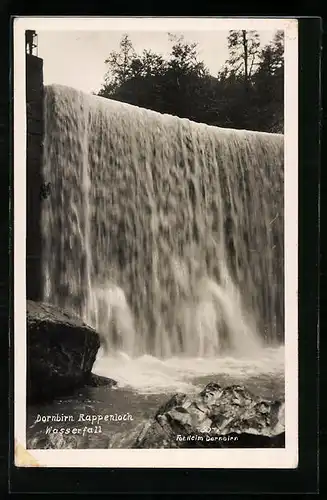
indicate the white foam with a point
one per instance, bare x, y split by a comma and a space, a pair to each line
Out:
147, 374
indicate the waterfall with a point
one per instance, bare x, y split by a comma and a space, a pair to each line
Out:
164, 234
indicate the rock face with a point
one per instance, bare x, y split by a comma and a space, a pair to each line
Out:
217, 417
61, 350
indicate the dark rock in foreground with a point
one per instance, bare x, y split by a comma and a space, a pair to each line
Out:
217, 417
61, 351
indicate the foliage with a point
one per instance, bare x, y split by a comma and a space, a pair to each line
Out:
247, 93
243, 49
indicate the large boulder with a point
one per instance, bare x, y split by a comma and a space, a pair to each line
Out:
61, 350
216, 417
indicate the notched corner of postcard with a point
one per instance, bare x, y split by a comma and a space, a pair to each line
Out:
23, 458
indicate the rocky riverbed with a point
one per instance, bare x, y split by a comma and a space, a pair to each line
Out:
70, 406
217, 416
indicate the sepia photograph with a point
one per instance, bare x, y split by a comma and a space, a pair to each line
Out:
155, 242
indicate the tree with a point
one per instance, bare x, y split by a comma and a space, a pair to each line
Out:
269, 83
184, 57
247, 93
243, 47
152, 64
184, 79
120, 64
236, 78
150, 81
272, 56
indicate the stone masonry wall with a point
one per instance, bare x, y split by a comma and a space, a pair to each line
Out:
34, 122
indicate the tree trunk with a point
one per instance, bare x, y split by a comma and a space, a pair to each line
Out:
246, 59
245, 55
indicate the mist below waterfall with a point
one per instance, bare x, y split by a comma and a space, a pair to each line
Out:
165, 235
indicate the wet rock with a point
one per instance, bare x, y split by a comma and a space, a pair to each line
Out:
216, 417
42, 441
99, 381
177, 400
61, 351
157, 433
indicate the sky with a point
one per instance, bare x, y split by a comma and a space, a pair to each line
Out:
76, 58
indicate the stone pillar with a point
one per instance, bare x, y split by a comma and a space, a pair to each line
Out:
34, 123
